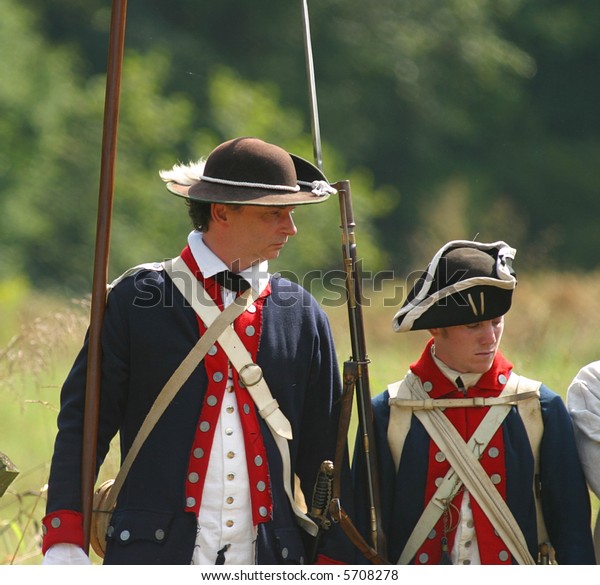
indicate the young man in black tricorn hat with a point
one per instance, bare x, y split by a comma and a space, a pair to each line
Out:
467, 447
227, 469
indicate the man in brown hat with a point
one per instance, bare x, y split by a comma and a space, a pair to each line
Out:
478, 465
224, 474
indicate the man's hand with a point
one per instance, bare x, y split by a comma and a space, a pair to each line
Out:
65, 554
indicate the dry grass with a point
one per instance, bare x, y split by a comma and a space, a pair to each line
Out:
550, 333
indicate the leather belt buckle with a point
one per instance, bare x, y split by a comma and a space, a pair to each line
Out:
250, 374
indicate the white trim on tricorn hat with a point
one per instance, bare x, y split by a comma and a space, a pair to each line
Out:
249, 171
438, 301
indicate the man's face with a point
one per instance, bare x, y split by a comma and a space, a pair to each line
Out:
469, 348
260, 232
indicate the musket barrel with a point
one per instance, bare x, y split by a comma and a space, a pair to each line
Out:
356, 370
361, 359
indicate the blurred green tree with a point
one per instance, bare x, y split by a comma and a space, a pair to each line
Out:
49, 191
483, 110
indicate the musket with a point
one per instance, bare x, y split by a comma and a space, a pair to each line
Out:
355, 373
100, 275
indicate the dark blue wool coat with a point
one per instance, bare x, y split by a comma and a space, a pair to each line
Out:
148, 330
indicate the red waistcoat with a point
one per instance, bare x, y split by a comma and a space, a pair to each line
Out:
248, 326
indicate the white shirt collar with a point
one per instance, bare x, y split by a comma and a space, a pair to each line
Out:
469, 378
209, 263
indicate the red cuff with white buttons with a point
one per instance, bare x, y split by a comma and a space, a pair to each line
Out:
62, 526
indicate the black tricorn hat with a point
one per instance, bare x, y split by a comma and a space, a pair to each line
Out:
249, 171
465, 282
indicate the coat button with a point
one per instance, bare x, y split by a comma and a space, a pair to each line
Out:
218, 377
159, 534
125, 535
205, 426
423, 558
55, 523
211, 400
427, 386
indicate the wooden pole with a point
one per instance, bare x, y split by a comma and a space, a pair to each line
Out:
100, 276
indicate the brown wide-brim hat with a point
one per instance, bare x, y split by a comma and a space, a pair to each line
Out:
466, 282
249, 171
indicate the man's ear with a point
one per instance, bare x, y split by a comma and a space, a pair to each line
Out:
219, 213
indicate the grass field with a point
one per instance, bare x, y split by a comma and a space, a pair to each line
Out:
550, 333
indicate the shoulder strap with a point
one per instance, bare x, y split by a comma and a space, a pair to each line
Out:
519, 390
450, 482
400, 419
531, 415
405, 404
134, 270
476, 480
250, 374
174, 384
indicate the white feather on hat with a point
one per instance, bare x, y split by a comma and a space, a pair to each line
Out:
184, 174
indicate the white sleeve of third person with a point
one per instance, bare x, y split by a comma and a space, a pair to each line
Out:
583, 403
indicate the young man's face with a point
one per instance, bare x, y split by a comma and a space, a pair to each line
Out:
469, 348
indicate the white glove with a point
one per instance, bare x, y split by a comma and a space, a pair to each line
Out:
65, 554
